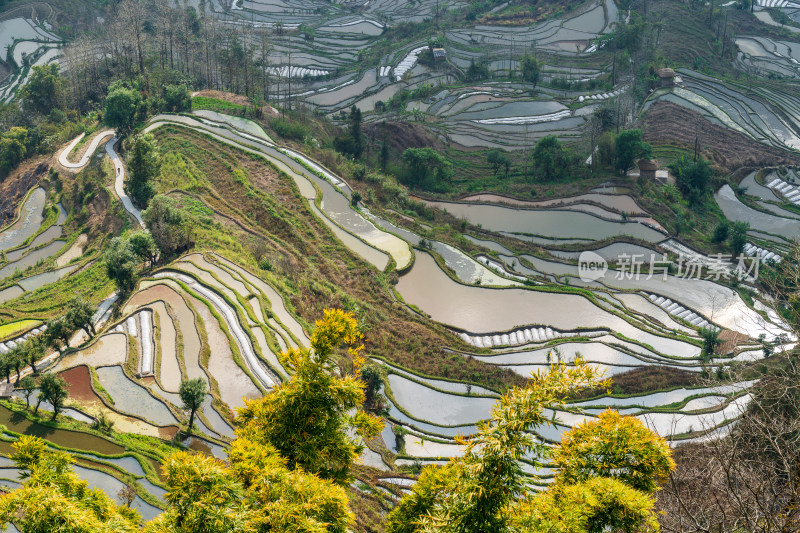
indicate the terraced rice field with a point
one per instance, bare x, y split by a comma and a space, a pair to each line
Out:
769, 116
769, 57
204, 316
35, 237
435, 411
617, 330
29, 43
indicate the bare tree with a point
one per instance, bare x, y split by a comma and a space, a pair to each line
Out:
746, 477
131, 18
127, 495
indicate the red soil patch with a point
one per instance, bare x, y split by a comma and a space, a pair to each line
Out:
168, 433
80, 384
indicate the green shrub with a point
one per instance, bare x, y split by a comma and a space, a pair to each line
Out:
289, 130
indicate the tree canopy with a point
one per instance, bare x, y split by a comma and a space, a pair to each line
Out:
192, 393
54, 498
693, 179
43, 91
601, 482
551, 159
177, 99
628, 147
427, 169
316, 420
168, 225
122, 264
53, 389
122, 106
13, 148
144, 165
531, 69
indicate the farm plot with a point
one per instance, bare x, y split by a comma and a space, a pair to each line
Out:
228, 302
334, 192
603, 351
477, 310
571, 35
433, 414
90, 453
620, 203
703, 300
771, 227
180, 318
154, 309
28, 44
196, 321
493, 115
759, 115
28, 222
769, 57
33, 250
31, 242
552, 223
133, 399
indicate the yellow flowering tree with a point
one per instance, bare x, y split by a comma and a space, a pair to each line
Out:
475, 492
607, 471
53, 499
256, 493
315, 420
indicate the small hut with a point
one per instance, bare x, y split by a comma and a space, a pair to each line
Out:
6, 390
648, 168
666, 77
439, 54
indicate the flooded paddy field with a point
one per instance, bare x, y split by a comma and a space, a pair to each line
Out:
766, 115
28, 43
205, 316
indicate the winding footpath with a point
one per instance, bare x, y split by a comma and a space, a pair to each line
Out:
119, 181
119, 167
62, 157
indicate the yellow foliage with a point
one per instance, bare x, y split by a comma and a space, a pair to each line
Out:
312, 418
614, 446
337, 327
592, 506
54, 499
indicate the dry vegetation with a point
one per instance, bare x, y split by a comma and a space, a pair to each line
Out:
671, 124
312, 267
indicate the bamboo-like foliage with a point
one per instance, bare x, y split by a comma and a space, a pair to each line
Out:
54, 499
609, 470
614, 446
315, 419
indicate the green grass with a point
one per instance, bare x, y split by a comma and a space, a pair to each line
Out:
14, 328
214, 104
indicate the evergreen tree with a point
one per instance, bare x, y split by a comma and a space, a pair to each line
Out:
144, 166
192, 393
